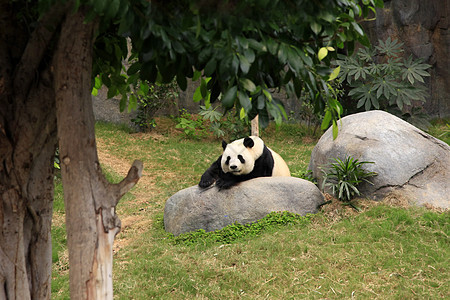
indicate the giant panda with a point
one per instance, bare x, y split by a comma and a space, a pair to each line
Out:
241, 160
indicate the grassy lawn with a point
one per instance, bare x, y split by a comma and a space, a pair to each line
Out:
387, 251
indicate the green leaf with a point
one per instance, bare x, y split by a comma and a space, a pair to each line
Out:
257, 45
261, 102
203, 89
334, 74
375, 103
361, 102
197, 75
249, 55
323, 52
99, 5
326, 120
132, 103
229, 97
268, 95
123, 103
144, 88
242, 113
134, 68
244, 64
210, 67
113, 8
335, 130
182, 82
306, 58
243, 42
234, 65
368, 104
244, 100
358, 28
294, 60
97, 82
197, 95
274, 112
272, 46
248, 85
316, 27
282, 53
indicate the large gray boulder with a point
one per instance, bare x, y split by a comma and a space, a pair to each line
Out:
410, 163
212, 209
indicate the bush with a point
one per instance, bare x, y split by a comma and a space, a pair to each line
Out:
228, 126
150, 98
192, 126
381, 78
343, 177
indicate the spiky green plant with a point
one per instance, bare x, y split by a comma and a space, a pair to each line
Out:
344, 176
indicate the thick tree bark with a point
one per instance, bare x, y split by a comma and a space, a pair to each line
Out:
29, 85
90, 200
27, 147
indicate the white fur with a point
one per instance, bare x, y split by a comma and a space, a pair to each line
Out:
280, 168
234, 149
237, 147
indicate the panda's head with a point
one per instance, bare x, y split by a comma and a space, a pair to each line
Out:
239, 157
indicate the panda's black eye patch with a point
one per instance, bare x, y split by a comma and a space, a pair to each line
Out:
241, 158
227, 162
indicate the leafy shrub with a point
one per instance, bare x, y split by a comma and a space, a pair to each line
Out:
381, 78
343, 177
228, 126
150, 98
238, 231
192, 126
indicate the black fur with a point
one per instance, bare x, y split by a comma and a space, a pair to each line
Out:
263, 168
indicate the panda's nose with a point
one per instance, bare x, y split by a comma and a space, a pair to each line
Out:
233, 167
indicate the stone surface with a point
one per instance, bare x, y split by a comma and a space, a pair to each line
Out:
210, 209
423, 27
409, 162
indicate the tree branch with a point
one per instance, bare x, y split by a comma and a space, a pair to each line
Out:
133, 176
36, 48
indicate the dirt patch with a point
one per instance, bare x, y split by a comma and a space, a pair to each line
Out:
136, 223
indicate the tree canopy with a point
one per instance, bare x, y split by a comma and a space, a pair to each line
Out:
245, 48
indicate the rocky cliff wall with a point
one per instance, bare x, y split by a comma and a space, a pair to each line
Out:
423, 27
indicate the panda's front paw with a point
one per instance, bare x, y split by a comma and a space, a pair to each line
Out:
205, 182
223, 184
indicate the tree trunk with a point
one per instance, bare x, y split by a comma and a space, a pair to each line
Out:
90, 200
27, 148
29, 85
255, 126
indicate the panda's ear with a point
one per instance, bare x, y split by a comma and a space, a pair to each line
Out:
248, 142
224, 144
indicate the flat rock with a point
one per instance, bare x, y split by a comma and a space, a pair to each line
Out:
409, 162
212, 209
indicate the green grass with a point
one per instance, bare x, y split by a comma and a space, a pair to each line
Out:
441, 129
385, 252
